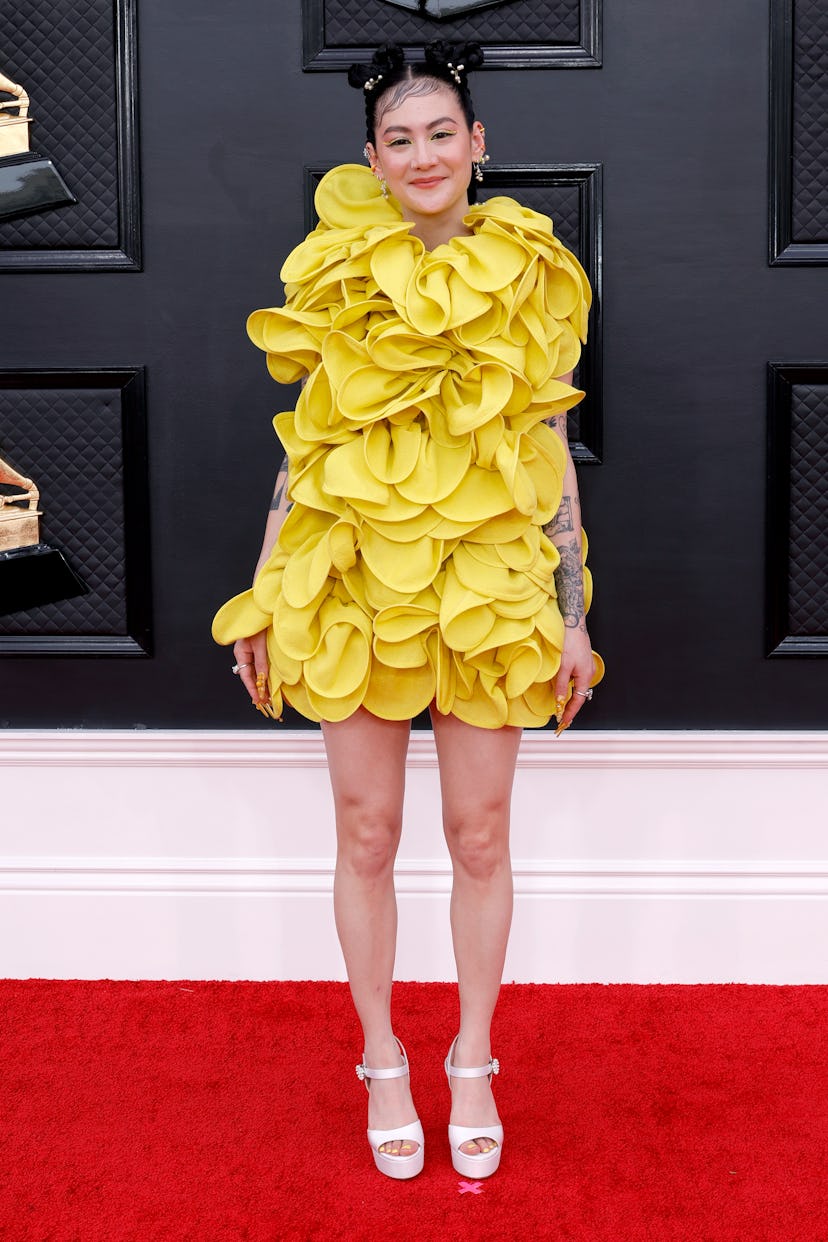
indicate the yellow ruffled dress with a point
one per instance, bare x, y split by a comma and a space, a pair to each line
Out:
412, 567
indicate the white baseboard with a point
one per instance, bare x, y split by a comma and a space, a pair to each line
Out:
638, 857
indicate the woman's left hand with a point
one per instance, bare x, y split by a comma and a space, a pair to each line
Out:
578, 668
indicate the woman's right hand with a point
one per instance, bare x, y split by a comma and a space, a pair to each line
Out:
251, 657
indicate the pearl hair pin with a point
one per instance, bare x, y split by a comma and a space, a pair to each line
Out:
455, 71
372, 82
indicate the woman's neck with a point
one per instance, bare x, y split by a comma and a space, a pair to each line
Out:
437, 230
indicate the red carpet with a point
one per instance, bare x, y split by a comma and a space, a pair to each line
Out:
185, 1111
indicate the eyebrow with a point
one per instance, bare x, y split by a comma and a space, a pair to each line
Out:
403, 129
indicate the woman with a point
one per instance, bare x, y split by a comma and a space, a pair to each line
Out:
424, 547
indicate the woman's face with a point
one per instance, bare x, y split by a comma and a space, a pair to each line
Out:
424, 150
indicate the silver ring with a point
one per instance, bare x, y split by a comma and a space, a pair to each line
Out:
585, 694
237, 668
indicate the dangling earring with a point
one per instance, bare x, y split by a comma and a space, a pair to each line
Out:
376, 172
477, 165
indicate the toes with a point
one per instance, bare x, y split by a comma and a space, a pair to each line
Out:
478, 1147
398, 1147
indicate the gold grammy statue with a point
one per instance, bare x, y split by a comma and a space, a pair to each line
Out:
19, 515
31, 573
444, 8
29, 182
14, 130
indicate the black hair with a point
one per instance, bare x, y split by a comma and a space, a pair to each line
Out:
445, 63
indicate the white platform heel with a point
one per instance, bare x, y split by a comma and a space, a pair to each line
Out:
394, 1166
484, 1164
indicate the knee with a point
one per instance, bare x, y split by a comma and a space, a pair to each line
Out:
479, 844
368, 838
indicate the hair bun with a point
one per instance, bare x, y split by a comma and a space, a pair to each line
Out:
439, 54
358, 75
386, 60
388, 57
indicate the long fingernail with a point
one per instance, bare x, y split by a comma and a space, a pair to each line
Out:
561, 728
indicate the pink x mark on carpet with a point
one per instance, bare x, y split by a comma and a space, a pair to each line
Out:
474, 1188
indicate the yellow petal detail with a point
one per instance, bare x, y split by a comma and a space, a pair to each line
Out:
412, 568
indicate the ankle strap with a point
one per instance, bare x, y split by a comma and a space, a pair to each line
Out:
364, 1071
476, 1071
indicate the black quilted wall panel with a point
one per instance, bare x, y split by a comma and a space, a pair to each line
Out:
810, 121
798, 125
798, 510
536, 32
75, 61
571, 197
82, 444
355, 22
808, 577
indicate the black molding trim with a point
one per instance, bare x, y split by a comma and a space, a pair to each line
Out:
135, 478
782, 376
782, 249
128, 256
588, 448
587, 54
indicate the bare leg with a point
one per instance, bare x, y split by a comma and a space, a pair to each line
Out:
477, 768
366, 760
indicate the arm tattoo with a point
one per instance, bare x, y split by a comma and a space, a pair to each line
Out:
569, 580
562, 521
281, 484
